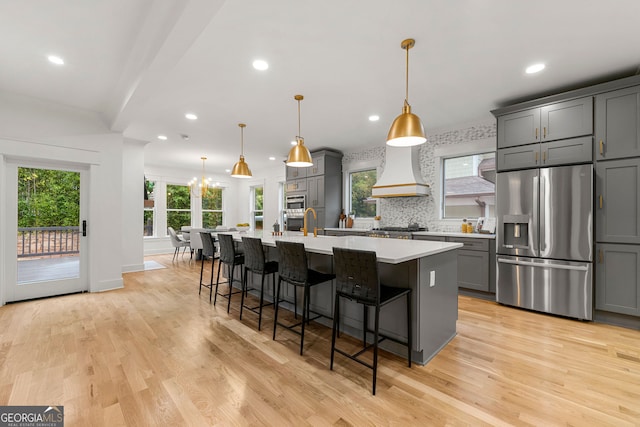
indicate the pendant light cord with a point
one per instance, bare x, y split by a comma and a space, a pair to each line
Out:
299, 137
406, 95
242, 141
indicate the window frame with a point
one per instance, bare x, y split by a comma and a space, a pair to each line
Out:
355, 167
451, 151
168, 209
204, 211
252, 205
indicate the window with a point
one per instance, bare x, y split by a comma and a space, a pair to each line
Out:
212, 208
469, 186
149, 208
360, 185
178, 206
257, 212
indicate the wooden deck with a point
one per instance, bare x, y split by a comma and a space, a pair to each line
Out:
157, 353
43, 269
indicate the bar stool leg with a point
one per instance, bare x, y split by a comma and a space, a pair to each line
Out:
261, 297
365, 325
213, 263
336, 327
275, 313
244, 285
375, 349
409, 330
305, 296
230, 283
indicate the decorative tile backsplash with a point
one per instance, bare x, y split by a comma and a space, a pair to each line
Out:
400, 211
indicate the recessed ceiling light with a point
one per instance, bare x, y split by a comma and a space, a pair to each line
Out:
261, 65
294, 142
191, 116
55, 60
272, 158
535, 68
374, 118
162, 137
227, 170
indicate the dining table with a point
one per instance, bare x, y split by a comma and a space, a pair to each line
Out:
428, 268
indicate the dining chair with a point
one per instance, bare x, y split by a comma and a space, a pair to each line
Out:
230, 257
177, 243
208, 252
357, 280
293, 269
255, 262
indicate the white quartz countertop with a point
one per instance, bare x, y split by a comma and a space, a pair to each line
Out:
391, 251
454, 234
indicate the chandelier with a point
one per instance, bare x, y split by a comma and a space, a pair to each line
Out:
199, 189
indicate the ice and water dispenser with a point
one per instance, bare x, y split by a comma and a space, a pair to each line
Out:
516, 231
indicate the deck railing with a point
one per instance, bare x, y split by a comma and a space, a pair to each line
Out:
48, 241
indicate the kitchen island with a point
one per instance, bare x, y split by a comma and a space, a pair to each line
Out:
428, 268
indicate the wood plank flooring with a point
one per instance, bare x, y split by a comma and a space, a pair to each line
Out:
156, 353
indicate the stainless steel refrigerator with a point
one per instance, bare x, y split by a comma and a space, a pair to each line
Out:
544, 240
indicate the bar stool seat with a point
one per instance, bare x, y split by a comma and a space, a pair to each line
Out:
231, 258
255, 262
357, 280
208, 251
293, 269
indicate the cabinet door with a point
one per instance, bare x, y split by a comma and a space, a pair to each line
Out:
567, 119
618, 201
618, 278
316, 191
296, 173
297, 186
618, 124
567, 151
523, 157
473, 270
519, 128
318, 165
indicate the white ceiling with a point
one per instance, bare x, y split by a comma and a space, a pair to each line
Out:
143, 64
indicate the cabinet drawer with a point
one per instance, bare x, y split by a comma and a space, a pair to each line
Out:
430, 238
471, 243
297, 185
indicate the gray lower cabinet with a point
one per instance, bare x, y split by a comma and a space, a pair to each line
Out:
561, 120
345, 232
618, 201
476, 261
618, 124
553, 153
618, 278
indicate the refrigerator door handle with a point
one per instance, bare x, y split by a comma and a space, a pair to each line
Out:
533, 232
543, 214
537, 264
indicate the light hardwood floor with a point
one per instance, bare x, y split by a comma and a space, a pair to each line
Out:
155, 353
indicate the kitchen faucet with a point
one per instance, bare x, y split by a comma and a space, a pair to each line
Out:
304, 223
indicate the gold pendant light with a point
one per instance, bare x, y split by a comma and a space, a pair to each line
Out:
299, 155
406, 129
199, 189
241, 169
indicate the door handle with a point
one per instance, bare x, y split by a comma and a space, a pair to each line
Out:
84, 228
601, 148
601, 201
544, 157
536, 157
536, 133
544, 134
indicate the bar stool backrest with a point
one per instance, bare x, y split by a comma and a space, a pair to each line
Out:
227, 248
292, 262
208, 248
357, 275
253, 254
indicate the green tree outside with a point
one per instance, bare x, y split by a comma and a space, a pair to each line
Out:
178, 206
361, 187
48, 198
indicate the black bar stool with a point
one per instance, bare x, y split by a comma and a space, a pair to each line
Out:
254, 261
208, 251
357, 280
231, 258
292, 268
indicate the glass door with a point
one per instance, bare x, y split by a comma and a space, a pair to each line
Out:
50, 231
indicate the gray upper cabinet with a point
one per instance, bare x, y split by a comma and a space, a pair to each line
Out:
296, 173
318, 165
618, 201
315, 187
618, 124
554, 153
618, 278
519, 128
552, 122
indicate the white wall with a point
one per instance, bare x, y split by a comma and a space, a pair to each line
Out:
132, 205
35, 130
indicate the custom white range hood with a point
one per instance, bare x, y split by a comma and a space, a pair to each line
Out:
401, 175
